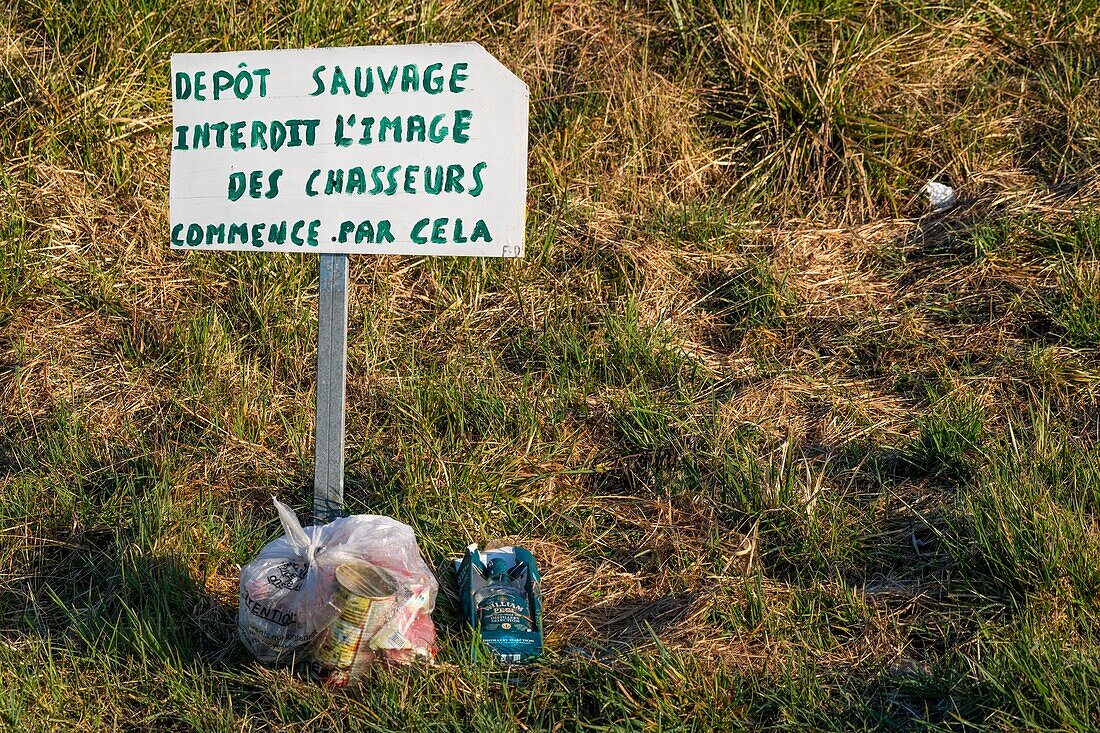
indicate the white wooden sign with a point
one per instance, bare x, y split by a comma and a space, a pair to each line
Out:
371, 150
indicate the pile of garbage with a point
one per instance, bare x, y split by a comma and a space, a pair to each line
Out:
342, 595
346, 595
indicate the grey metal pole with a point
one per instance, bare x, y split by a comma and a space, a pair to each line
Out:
332, 357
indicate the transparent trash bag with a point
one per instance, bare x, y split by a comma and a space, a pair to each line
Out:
288, 591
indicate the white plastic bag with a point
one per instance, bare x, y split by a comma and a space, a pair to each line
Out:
287, 591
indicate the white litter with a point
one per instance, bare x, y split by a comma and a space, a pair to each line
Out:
941, 196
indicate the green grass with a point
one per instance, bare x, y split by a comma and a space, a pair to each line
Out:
794, 453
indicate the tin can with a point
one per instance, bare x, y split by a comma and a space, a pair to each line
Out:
367, 597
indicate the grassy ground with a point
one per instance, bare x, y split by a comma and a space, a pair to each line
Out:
794, 453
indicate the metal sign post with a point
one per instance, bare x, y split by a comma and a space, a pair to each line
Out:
332, 357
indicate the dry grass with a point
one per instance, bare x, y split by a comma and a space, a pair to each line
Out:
793, 452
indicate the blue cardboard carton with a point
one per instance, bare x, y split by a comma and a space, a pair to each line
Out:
502, 600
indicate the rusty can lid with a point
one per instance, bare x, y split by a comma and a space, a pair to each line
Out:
367, 581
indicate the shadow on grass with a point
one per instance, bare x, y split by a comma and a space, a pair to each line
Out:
96, 602
89, 565
632, 621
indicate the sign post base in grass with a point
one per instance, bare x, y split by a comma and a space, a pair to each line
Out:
332, 356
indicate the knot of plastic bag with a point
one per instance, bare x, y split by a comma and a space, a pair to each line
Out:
305, 545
